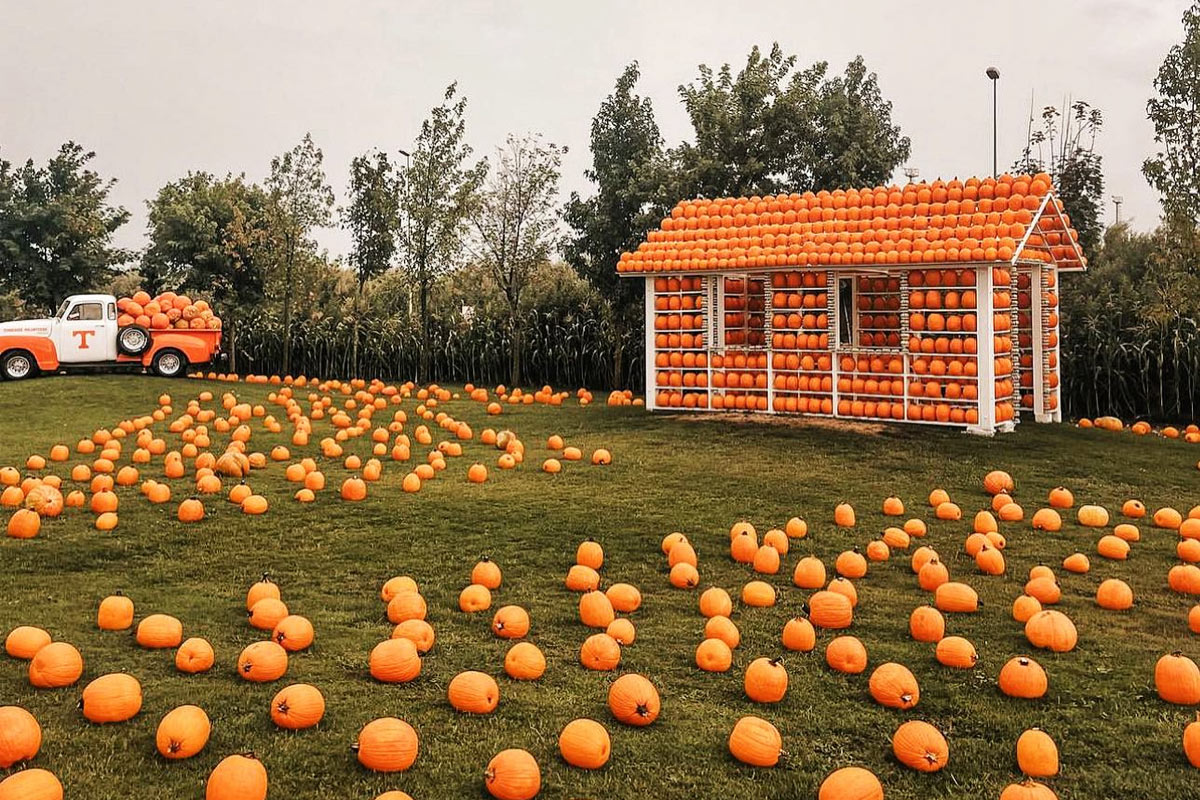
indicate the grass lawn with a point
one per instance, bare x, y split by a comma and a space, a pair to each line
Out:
697, 475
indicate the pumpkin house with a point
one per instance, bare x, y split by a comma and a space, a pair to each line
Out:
930, 303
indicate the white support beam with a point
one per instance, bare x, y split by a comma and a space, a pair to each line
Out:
651, 389
985, 358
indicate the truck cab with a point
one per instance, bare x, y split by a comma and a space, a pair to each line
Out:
85, 332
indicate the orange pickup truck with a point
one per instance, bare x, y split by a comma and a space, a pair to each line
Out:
85, 333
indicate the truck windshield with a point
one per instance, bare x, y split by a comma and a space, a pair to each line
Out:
62, 310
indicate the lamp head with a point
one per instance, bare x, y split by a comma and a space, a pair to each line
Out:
993, 73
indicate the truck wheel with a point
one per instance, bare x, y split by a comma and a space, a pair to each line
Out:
169, 363
132, 340
17, 364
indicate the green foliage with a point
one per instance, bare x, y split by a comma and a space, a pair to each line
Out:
774, 128
436, 190
300, 200
1065, 148
372, 215
1175, 170
56, 229
631, 175
515, 219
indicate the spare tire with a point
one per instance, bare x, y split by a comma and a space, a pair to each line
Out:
133, 340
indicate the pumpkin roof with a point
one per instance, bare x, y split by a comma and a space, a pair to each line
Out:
981, 220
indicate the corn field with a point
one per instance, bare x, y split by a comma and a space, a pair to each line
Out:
1130, 366
564, 352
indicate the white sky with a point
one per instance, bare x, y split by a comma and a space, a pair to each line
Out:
158, 88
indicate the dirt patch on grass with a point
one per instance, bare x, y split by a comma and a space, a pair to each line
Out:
784, 421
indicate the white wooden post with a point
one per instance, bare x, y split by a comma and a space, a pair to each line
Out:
1039, 353
985, 358
651, 393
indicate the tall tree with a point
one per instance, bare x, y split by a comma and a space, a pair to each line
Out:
1065, 148
300, 201
436, 191
775, 128
56, 228
515, 222
1175, 170
212, 235
371, 217
630, 174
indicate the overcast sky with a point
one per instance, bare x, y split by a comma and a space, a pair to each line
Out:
160, 88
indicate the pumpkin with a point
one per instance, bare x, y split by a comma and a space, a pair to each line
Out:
262, 662
417, 631
624, 597
297, 707
190, 510
510, 622
474, 598
1077, 563
1051, 630
893, 506
387, 745
1113, 547
31, 784
1167, 518
956, 597
937, 497
1044, 589
54, 666
1177, 679
1046, 519
1114, 595
524, 662
194, 655
850, 564
846, 654
895, 538
756, 742
684, 576
473, 692
621, 631
843, 515
24, 524
1024, 678
595, 610
405, 606
766, 560
894, 686
486, 573
20, 736
1134, 509
115, 697
779, 540
395, 661
948, 511
714, 655
115, 613
106, 521
182, 732
921, 746
590, 554
354, 489
1061, 497
1194, 619
933, 573
633, 700
1025, 607
851, 783
601, 457
984, 522
796, 528
920, 557
267, 613
765, 680
477, 473
1011, 512
1191, 742
844, 587
237, 778
670, 540
831, 610
759, 594
24, 641
956, 652
261, 590
1091, 516
513, 774
998, 481
809, 573
585, 579
1037, 755
990, 561
743, 548
926, 624
799, 635
585, 743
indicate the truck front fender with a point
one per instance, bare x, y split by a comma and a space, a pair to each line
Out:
40, 347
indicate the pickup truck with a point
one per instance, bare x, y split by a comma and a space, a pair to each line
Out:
85, 333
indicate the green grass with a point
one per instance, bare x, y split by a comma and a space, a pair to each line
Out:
697, 475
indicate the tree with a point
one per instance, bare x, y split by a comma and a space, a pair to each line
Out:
371, 217
215, 236
630, 173
300, 201
1175, 170
56, 228
436, 190
774, 128
1065, 148
515, 222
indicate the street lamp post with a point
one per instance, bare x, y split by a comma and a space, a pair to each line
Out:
1117, 200
994, 75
